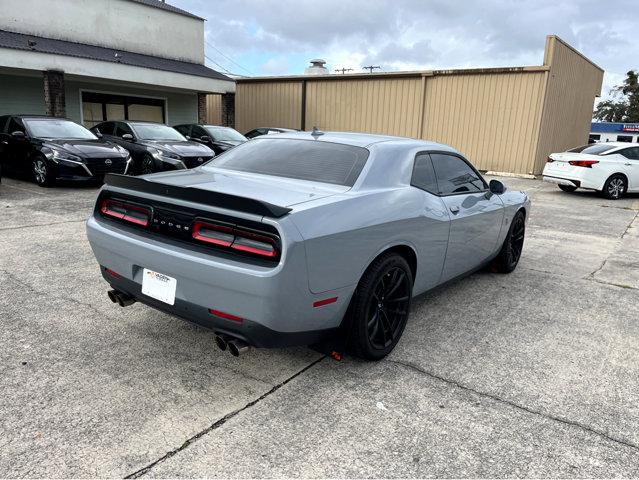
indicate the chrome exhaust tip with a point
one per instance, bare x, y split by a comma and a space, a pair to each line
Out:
220, 341
238, 347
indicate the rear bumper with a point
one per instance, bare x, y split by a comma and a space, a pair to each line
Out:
579, 177
275, 303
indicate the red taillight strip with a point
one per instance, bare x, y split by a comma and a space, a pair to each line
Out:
233, 244
215, 241
112, 273
225, 315
326, 301
583, 163
106, 210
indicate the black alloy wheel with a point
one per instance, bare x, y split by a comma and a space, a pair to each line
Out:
380, 307
148, 165
510, 252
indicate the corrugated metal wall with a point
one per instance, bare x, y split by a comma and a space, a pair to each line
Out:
504, 119
214, 109
573, 82
493, 118
389, 106
268, 104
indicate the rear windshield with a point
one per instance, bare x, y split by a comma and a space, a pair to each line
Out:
593, 149
300, 159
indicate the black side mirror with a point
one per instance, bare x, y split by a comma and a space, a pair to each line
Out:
97, 133
205, 138
496, 187
18, 135
128, 137
187, 137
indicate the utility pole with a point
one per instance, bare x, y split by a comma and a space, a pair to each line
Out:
343, 70
370, 68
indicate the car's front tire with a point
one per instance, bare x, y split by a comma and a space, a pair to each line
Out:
148, 165
42, 173
510, 252
567, 188
380, 307
615, 187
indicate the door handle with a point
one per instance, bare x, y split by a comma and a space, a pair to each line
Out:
454, 209
627, 164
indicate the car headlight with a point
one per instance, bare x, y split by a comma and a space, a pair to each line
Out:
60, 155
170, 158
165, 154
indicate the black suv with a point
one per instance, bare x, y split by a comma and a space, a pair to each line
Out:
220, 139
155, 147
57, 148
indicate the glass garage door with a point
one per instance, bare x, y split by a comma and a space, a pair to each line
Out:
99, 107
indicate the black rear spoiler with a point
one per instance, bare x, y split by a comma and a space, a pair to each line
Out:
196, 195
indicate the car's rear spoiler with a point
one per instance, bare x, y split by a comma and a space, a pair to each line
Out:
197, 195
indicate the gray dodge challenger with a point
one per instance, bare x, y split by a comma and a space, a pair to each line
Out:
317, 239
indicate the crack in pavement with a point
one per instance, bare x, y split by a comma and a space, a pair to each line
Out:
630, 225
144, 470
42, 224
47, 294
495, 398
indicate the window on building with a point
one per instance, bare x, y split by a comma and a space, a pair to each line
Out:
99, 107
624, 138
594, 137
424, 174
454, 175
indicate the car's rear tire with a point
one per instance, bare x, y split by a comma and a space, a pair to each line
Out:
380, 307
567, 188
42, 173
148, 165
510, 252
615, 187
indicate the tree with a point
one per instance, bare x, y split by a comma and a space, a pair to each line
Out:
624, 106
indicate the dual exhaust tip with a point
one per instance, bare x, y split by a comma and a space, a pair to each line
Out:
121, 298
224, 342
234, 345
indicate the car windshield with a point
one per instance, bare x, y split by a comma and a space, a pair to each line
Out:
593, 149
300, 159
218, 133
150, 131
52, 128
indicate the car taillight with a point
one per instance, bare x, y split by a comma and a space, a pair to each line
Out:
235, 239
127, 212
550, 160
583, 163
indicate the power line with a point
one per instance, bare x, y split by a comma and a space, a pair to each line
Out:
229, 58
223, 68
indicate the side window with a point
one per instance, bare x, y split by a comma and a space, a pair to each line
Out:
632, 153
424, 174
198, 132
122, 129
3, 123
183, 129
15, 126
105, 128
454, 175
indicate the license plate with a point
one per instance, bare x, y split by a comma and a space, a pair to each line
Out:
159, 286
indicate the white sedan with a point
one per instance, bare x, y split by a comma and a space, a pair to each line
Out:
611, 168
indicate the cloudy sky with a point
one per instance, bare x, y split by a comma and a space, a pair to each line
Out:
262, 37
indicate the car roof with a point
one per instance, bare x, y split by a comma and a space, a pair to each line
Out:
360, 139
39, 117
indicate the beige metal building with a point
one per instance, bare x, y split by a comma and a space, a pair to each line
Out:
502, 119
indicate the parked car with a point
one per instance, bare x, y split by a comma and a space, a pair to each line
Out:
155, 147
56, 148
257, 132
611, 168
270, 249
218, 139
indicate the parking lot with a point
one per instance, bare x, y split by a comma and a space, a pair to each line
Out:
530, 374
